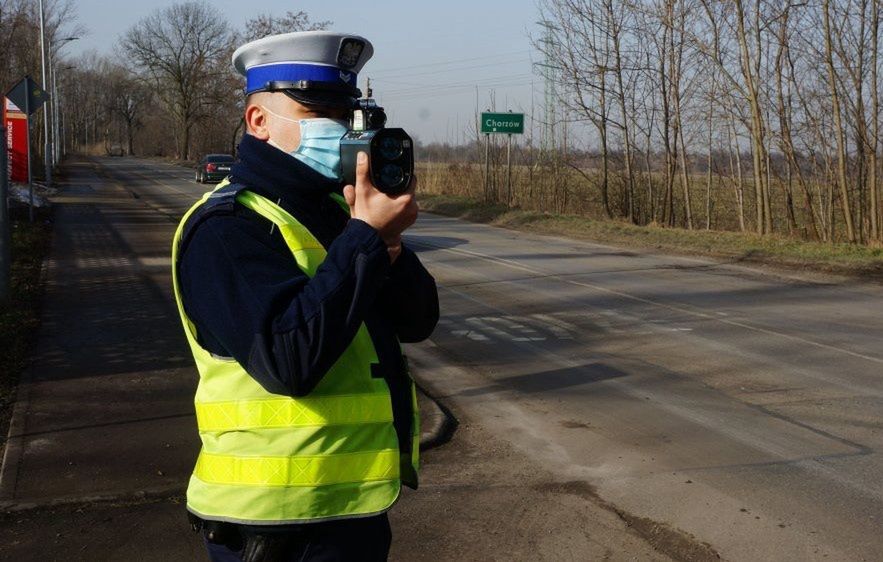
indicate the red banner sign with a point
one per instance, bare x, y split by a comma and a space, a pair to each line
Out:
15, 126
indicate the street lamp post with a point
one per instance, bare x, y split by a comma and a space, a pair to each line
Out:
47, 143
53, 87
58, 139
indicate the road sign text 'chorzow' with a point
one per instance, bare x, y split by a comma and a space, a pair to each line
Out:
502, 123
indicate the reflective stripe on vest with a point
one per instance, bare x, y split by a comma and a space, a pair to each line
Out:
298, 471
273, 459
285, 412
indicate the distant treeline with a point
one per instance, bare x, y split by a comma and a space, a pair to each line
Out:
779, 98
168, 89
761, 116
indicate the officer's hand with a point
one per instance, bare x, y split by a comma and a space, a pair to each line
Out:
390, 216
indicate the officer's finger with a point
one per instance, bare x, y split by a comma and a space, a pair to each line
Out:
349, 194
413, 185
362, 169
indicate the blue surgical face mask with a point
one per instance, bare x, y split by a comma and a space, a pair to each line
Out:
319, 143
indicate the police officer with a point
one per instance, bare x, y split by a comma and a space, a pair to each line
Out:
295, 292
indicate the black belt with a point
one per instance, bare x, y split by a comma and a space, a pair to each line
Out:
254, 545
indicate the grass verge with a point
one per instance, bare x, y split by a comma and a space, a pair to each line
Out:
845, 259
20, 312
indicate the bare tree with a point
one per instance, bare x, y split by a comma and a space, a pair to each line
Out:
675, 17
267, 24
838, 124
127, 97
784, 65
615, 18
20, 47
181, 50
876, 233
578, 42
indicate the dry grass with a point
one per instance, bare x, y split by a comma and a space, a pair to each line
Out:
837, 258
566, 191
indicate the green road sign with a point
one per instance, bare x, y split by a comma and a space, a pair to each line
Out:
502, 123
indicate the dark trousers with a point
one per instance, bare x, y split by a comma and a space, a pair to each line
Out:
348, 540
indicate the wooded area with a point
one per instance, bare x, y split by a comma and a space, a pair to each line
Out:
168, 90
776, 101
751, 115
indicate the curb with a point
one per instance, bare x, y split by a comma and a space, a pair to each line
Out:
437, 423
12, 446
148, 495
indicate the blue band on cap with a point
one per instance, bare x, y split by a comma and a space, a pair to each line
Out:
256, 77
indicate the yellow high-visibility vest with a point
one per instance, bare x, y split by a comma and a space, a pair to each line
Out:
273, 459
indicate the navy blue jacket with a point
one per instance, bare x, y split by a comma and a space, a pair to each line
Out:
249, 300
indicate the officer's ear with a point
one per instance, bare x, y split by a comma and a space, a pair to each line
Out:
256, 121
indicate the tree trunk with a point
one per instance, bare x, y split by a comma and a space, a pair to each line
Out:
233, 138
685, 182
671, 144
614, 31
784, 109
737, 173
605, 156
709, 158
130, 137
758, 151
605, 171
874, 211
838, 127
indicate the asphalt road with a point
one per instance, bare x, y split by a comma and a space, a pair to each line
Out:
740, 406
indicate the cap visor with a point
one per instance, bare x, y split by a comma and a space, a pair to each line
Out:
322, 99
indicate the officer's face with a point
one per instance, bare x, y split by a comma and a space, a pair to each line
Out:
282, 128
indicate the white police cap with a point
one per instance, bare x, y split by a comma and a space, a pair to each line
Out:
313, 67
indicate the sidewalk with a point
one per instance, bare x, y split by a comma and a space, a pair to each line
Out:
103, 437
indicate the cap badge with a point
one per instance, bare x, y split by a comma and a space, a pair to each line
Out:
350, 51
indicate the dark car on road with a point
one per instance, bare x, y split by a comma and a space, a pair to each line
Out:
213, 167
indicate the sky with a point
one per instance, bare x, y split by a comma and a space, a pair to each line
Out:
430, 61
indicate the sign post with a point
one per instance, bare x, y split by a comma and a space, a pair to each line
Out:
5, 227
28, 95
501, 124
509, 171
487, 167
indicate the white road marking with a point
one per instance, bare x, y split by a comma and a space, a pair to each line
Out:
527, 333
472, 335
684, 310
560, 328
482, 325
773, 444
515, 328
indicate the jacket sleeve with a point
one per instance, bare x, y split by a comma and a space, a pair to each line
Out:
409, 298
249, 300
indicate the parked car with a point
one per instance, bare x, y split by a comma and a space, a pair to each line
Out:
115, 150
213, 167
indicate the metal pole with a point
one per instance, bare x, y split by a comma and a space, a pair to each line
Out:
48, 143
509, 168
5, 236
61, 131
54, 101
487, 167
28, 145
